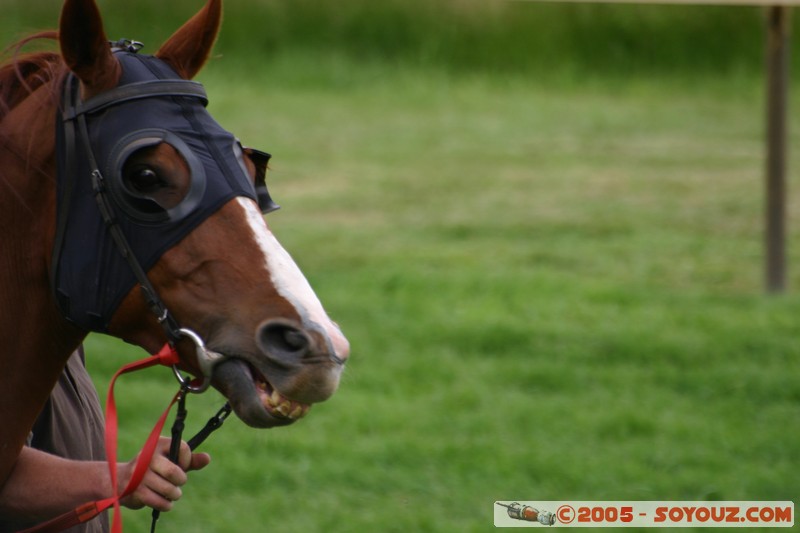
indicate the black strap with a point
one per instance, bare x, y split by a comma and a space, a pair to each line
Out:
67, 130
175, 444
213, 424
156, 305
136, 91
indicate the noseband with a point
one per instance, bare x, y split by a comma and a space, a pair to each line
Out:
74, 141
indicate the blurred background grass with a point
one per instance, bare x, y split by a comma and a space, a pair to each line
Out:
539, 225
494, 36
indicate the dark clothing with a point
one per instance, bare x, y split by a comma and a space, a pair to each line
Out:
71, 426
71, 423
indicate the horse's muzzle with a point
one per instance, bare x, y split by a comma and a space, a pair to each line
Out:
300, 361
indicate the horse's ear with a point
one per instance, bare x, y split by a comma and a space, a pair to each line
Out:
85, 47
189, 47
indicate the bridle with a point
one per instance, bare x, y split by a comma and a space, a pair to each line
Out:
76, 133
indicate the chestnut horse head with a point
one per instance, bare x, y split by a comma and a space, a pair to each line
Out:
138, 215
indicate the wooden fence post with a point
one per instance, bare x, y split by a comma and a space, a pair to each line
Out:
777, 62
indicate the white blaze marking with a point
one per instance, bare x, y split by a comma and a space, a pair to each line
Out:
289, 281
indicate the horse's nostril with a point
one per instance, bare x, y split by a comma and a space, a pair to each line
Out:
295, 361
283, 340
295, 339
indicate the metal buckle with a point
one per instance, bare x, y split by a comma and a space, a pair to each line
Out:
206, 360
126, 45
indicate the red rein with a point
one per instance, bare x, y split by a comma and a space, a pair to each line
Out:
167, 356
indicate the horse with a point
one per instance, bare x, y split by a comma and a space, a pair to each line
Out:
137, 215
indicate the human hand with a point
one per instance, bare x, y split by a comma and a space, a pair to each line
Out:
161, 485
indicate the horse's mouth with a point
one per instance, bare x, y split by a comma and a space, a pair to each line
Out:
273, 401
254, 400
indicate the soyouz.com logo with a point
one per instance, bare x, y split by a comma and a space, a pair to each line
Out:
643, 514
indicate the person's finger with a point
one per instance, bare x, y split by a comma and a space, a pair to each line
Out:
168, 470
199, 461
164, 443
168, 488
145, 496
154, 491
192, 461
184, 455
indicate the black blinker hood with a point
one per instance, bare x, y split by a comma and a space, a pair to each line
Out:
151, 104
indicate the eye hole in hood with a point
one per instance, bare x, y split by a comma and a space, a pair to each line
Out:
155, 189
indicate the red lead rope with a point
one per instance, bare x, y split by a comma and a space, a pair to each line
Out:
167, 357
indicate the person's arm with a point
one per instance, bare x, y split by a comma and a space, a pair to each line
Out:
43, 486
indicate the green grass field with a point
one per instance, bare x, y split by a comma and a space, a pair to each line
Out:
552, 284
552, 292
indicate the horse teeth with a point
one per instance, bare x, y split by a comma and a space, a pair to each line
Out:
283, 408
276, 397
269, 401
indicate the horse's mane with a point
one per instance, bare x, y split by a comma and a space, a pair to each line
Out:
22, 74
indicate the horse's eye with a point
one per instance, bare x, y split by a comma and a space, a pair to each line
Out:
143, 179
